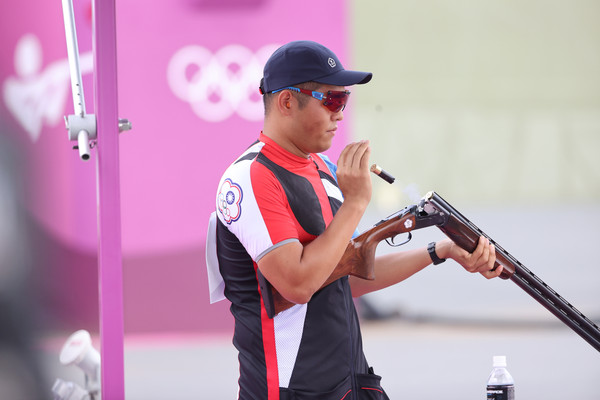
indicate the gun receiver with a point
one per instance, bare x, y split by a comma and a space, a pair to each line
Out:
465, 234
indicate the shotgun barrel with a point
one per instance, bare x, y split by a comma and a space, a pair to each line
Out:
465, 234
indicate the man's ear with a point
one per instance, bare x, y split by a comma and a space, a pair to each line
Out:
285, 101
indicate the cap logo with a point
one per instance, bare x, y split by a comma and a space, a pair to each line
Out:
331, 62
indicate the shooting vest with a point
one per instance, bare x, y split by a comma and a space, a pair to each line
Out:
269, 197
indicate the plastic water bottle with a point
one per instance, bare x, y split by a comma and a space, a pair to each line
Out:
500, 384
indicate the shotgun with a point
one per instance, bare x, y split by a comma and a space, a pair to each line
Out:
433, 210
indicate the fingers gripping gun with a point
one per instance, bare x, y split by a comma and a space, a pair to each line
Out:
359, 260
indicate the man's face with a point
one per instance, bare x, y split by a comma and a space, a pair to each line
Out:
315, 125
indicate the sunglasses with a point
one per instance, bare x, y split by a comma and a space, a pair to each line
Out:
334, 100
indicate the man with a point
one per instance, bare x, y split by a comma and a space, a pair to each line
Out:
287, 212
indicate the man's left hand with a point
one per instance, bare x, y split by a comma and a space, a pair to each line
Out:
481, 260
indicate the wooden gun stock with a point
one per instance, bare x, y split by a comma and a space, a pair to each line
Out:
358, 259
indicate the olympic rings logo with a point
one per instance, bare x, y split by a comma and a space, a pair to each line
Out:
219, 85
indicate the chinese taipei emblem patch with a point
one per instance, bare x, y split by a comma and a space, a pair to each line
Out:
230, 201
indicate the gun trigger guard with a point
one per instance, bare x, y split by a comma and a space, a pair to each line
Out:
399, 244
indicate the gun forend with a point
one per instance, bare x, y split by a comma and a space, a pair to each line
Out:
463, 232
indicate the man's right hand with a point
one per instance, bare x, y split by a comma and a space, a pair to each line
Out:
353, 174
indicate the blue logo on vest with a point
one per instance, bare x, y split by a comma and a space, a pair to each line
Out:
230, 201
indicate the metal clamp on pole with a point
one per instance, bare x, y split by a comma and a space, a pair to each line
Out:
81, 127
124, 125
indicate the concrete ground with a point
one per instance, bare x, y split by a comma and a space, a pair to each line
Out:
418, 360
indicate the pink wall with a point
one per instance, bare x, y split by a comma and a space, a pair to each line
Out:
188, 79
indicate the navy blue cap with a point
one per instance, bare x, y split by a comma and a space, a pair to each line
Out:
305, 61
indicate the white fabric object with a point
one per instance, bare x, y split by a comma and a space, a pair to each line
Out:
332, 190
289, 325
216, 285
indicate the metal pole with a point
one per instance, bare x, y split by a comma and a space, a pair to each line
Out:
73, 56
110, 266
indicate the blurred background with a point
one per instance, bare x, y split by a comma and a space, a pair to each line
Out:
495, 105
